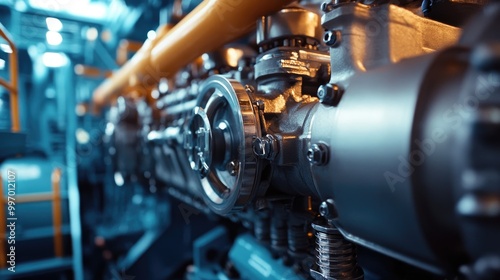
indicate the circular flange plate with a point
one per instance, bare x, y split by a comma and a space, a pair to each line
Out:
219, 143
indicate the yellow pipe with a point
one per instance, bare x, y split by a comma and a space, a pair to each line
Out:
14, 96
35, 197
127, 74
57, 212
13, 86
212, 24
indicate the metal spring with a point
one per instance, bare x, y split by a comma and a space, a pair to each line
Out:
262, 228
298, 241
279, 236
336, 257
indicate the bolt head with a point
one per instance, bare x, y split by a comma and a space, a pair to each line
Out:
249, 89
325, 6
323, 209
265, 147
329, 94
259, 104
327, 209
330, 38
259, 147
203, 167
322, 92
318, 154
232, 167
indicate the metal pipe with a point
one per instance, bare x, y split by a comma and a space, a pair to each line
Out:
128, 74
57, 212
212, 24
13, 87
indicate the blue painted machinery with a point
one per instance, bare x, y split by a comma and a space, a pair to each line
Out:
249, 140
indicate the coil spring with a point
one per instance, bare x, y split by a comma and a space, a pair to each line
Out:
279, 236
262, 229
335, 256
298, 241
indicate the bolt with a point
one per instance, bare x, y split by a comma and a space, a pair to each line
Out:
329, 94
326, 6
265, 147
203, 166
327, 209
318, 154
249, 89
201, 134
259, 104
233, 167
330, 38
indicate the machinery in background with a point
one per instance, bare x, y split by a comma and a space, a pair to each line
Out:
358, 140
38, 193
253, 139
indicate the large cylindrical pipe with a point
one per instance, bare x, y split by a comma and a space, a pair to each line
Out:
391, 157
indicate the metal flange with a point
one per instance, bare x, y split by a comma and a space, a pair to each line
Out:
219, 139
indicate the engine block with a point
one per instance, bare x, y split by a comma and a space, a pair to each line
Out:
329, 133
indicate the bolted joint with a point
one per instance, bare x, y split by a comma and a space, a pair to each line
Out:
259, 104
331, 38
318, 154
233, 167
249, 89
326, 6
329, 94
328, 210
265, 147
202, 166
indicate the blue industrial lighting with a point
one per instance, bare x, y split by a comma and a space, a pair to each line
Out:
151, 34
54, 38
54, 60
92, 34
5, 48
54, 24
82, 136
2, 64
81, 8
119, 180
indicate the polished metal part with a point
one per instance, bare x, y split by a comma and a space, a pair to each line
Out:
266, 147
289, 23
291, 61
329, 94
318, 154
220, 144
335, 256
374, 36
331, 38
327, 209
226, 58
357, 133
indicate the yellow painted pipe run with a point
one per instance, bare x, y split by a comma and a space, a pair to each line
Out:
12, 87
57, 213
212, 24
